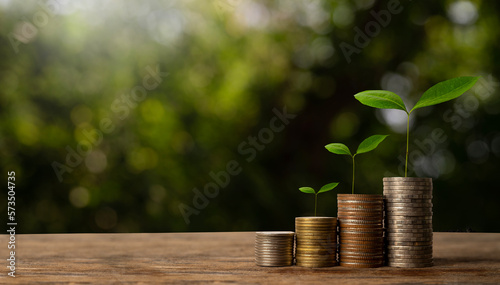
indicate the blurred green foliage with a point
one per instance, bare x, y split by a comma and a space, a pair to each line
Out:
229, 64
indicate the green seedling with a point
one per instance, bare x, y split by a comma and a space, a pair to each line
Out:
325, 188
367, 145
439, 93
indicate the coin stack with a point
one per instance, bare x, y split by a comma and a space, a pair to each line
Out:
316, 239
408, 221
361, 230
274, 248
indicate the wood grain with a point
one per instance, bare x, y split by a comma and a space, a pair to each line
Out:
225, 257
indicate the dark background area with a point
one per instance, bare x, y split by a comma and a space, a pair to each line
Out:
230, 63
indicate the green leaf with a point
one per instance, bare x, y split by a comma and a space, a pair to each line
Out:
308, 190
381, 99
338, 148
370, 143
445, 91
328, 187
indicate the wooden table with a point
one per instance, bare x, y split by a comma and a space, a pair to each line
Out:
225, 257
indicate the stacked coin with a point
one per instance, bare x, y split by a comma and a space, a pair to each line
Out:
408, 221
361, 233
316, 239
274, 248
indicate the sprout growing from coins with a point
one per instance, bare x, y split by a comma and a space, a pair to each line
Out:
325, 188
367, 145
439, 93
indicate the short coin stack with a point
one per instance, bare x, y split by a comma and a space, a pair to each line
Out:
361, 230
274, 248
316, 239
408, 221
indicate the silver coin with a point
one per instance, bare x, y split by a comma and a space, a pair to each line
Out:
411, 212
409, 189
427, 179
409, 247
273, 261
274, 252
408, 224
412, 191
277, 247
407, 208
406, 187
422, 215
362, 231
396, 227
407, 258
400, 193
275, 233
410, 258
391, 243
372, 209
389, 196
360, 221
407, 200
404, 235
273, 257
409, 255
390, 234
407, 184
409, 220
408, 211
413, 215
408, 205
409, 230
274, 244
407, 236
409, 265
391, 261
407, 194
395, 240
368, 203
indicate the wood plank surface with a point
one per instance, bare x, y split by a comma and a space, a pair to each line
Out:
225, 257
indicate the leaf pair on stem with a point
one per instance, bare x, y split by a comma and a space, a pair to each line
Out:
439, 93
365, 146
325, 188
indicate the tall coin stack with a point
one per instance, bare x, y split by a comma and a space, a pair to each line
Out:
316, 239
361, 230
274, 248
408, 221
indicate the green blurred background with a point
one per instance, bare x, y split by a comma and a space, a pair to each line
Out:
65, 67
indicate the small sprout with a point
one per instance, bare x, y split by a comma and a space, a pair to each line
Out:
325, 188
367, 145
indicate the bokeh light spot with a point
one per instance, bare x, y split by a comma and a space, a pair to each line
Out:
96, 161
142, 158
478, 151
344, 126
152, 110
462, 13
79, 197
